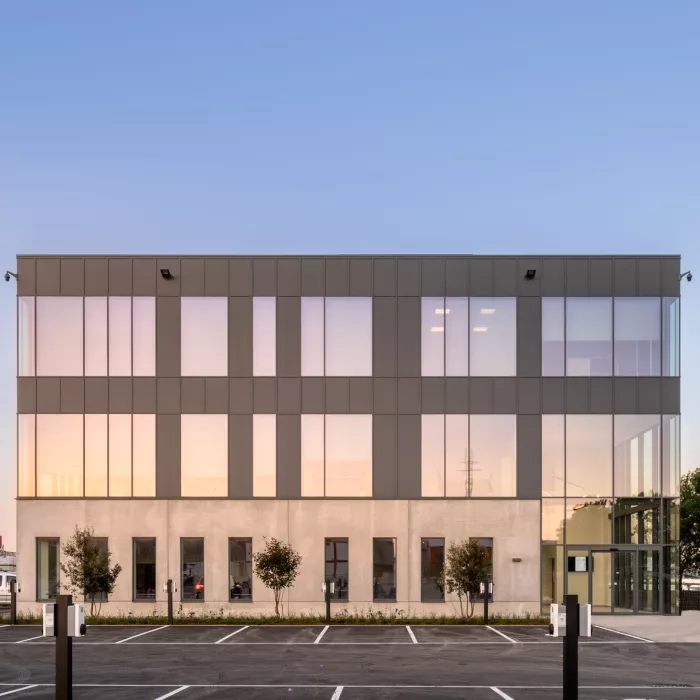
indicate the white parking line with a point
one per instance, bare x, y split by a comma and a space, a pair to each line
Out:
1, 626
624, 634
320, 636
140, 634
22, 641
228, 636
413, 636
173, 692
502, 694
337, 693
18, 690
505, 636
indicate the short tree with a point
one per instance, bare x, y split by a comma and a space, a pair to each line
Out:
467, 566
690, 523
277, 566
87, 567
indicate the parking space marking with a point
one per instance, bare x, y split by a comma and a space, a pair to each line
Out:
140, 634
22, 641
502, 694
625, 634
320, 636
18, 690
228, 636
337, 693
413, 636
505, 636
173, 692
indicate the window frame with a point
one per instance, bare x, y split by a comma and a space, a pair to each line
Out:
196, 599
383, 599
57, 542
422, 598
244, 541
334, 562
134, 593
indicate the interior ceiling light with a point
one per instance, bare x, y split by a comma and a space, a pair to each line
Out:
437, 329
442, 312
488, 312
480, 329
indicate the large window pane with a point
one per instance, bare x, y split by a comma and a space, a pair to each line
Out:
384, 568
553, 345
457, 456
144, 568
433, 337
204, 336
588, 521
432, 559
25, 331
637, 455
491, 470
671, 334
553, 520
637, 521
671, 521
264, 336
120, 455
348, 337
120, 336
552, 576
492, 342
671, 579
240, 568
47, 569
192, 554
204, 455
553, 454
337, 566
312, 456
265, 455
144, 330
637, 337
457, 337
432, 456
95, 336
589, 337
59, 331
349, 456
671, 439
96, 455
144, 454
589, 456
26, 455
312, 334
59, 455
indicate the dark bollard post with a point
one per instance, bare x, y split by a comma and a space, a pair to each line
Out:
571, 648
64, 649
170, 601
328, 601
486, 602
13, 602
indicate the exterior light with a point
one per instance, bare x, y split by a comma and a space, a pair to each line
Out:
530, 274
165, 272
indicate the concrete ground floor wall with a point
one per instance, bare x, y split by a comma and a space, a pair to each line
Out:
514, 526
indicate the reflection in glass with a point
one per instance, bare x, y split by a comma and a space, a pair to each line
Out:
553, 345
204, 336
589, 451
119, 336
204, 455
312, 456
432, 560
671, 439
671, 579
95, 336
59, 463
672, 521
637, 521
637, 452
491, 470
144, 332
102, 547
349, 456
265, 455
59, 331
432, 456
492, 341
433, 336
578, 567
312, 312
588, 521
144, 455
649, 581
637, 337
553, 520
456, 455
96, 455
120, 455
26, 338
553, 454
192, 558
47, 569
348, 336
144, 568
384, 568
600, 579
589, 337
240, 569
552, 576
486, 542
457, 337
337, 566
264, 336
671, 330
26, 455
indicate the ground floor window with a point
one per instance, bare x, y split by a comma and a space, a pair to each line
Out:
47, 578
432, 559
240, 568
488, 543
192, 559
384, 568
337, 562
144, 568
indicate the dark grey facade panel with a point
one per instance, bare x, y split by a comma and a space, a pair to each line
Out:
168, 340
361, 395
97, 395
553, 277
529, 336
409, 457
649, 395
192, 277
337, 277
553, 395
26, 395
433, 277
216, 399
288, 336
529, 396
409, 274
433, 395
289, 395
625, 395
313, 277
145, 276
384, 457
73, 395
409, 341
241, 395
164, 287
481, 395
578, 395
240, 274
529, 479
625, 277
313, 395
670, 272
529, 287
649, 277
505, 395
361, 277
289, 277
384, 337
384, 396
240, 336
144, 389
48, 395
48, 276
385, 277
482, 277
577, 277
96, 277
120, 277
265, 277
264, 395
457, 277
120, 395
337, 395
409, 395
240, 457
601, 389
457, 395
505, 277
26, 273
72, 277
192, 394
289, 456
168, 465
671, 395
167, 395
601, 277
216, 277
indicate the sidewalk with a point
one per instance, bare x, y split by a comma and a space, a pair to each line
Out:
658, 628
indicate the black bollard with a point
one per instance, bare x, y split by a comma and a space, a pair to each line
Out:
13, 602
64, 649
486, 602
328, 601
170, 601
571, 648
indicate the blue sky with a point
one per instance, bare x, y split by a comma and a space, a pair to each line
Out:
280, 127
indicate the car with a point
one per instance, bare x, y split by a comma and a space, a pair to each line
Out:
6, 577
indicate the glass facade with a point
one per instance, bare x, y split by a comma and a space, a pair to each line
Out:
240, 569
384, 569
337, 566
637, 337
204, 336
553, 337
144, 568
589, 337
264, 456
492, 337
264, 336
204, 456
432, 560
192, 567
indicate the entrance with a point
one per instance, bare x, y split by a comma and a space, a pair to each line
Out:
624, 579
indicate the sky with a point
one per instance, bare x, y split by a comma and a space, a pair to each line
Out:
325, 127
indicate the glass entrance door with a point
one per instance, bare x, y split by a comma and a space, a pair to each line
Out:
649, 578
623, 581
599, 576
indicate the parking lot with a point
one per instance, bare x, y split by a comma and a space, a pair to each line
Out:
344, 662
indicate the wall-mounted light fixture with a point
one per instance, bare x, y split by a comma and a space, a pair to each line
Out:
165, 272
530, 274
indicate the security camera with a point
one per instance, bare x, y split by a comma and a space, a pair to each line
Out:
688, 275
7, 277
